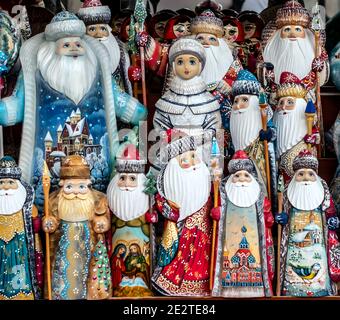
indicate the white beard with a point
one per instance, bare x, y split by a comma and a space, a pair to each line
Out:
188, 188
291, 127
13, 201
305, 197
128, 205
245, 126
293, 56
243, 194
219, 59
111, 44
70, 76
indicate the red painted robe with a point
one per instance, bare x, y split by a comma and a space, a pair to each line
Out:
187, 274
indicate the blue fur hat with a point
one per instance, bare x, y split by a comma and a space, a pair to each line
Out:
246, 83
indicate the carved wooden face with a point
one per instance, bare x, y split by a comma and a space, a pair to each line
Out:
160, 28
292, 32
305, 175
70, 47
286, 104
117, 24
8, 184
181, 29
75, 186
241, 176
241, 102
188, 159
127, 181
187, 66
207, 39
249, 29
98, 30
230, 33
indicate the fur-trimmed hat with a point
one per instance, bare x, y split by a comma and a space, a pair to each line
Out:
9, 168
93, 12
178, 142
246, 83
207, 22
129, 161
290, 86
187, 46
64, 24
305, 160
292, 13
240, 161
75, 167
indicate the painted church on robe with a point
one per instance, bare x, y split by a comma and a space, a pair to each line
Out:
74, 137
241, 269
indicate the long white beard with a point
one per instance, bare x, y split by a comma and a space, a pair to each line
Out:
219, 59
293, 56
70, 76
291, 127
305, 197
13, 201
245, 126
243, 194
188, 188
112, 47
128, 205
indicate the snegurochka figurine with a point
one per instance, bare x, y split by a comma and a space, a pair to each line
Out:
245, 260
78, 218
68, 103
130, 206
97, 18
309, 260
19, 267
183, 198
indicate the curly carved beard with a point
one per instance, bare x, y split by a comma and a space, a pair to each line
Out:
75, 207
70, 76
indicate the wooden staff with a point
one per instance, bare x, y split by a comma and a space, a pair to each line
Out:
215, 166
263, 106
280, 188
46, 188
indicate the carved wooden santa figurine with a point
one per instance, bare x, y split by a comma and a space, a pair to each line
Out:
291, 123
18, 269
246, 123
245, 259
183, 199
78, 218
290, 46
130, 260
309, 259
97, 18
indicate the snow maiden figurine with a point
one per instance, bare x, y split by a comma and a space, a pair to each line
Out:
245, 252
309, 259
130, 260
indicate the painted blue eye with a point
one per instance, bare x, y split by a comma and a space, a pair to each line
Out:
192, 62
179, 62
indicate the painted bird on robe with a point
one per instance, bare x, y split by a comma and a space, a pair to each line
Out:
307, 273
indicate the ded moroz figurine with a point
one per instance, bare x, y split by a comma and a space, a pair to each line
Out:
309, 243
130, 205
18, 265
293, 134
97, 18
78, 218
184, 185
245, 251
246, 127
68, 102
